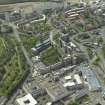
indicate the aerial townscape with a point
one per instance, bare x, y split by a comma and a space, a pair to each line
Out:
52, 52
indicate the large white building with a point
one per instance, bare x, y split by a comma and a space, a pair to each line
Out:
78, 79
26, 100
70, 83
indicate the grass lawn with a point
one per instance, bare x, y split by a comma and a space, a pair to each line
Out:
80, 101
103, 50
74, 103
10, 77
42, 28
29, 42
2, 47
50, 56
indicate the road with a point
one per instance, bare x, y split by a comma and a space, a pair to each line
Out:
46, 5
28, 6
30, 63
16, 33
93, 99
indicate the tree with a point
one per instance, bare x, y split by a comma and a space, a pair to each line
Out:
74, 103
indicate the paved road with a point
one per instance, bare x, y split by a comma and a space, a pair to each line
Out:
16, 33
38, 6
95, 98
42, 6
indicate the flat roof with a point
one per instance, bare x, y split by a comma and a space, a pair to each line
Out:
71, 43
78, 79
69, 84
26, 100
67, 77
55, 90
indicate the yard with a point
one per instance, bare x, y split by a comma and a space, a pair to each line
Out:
29, 42
50, 56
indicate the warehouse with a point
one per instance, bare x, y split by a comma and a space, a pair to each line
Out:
90, 77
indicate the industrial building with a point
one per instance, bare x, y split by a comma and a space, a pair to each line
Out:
72, 82
55, 90
90, 78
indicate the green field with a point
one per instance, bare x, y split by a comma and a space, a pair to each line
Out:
50, 56
29, 42
6, 47
13, 66
2, 47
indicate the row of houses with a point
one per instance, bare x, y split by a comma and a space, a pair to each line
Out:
74, 12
